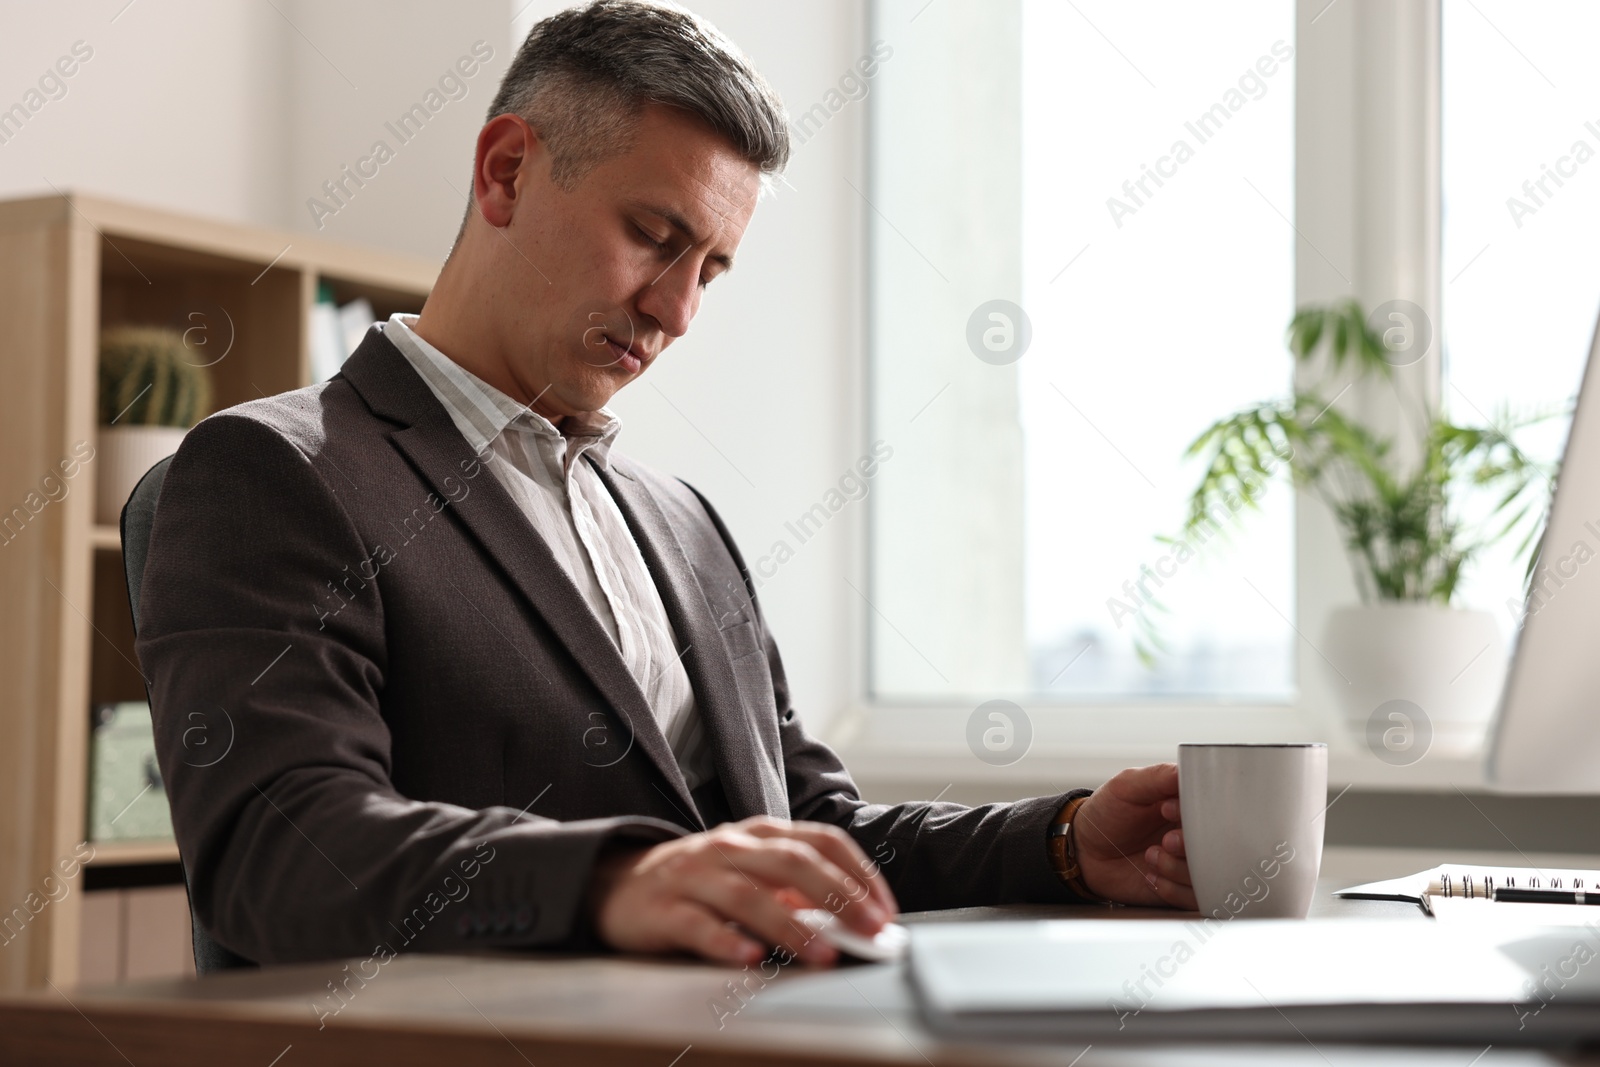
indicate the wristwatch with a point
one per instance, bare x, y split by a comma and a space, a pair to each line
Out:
1064, 853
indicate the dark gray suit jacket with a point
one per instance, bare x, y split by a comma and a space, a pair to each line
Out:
386, 717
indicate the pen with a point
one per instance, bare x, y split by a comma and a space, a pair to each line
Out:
1546, 896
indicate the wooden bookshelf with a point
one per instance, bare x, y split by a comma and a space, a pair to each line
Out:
69, 266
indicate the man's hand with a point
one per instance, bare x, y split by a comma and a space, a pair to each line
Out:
729, 893
1128, 841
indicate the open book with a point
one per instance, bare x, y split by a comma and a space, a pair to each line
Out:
1442, 890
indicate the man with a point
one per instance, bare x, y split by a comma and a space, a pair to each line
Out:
484, 680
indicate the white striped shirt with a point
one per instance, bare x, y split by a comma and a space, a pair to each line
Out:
570, 508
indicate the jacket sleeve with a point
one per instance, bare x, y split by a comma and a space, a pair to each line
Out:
935, 855
274, 752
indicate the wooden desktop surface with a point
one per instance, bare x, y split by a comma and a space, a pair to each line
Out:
547, 1010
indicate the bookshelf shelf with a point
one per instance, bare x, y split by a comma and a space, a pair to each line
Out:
71, 265
125, 853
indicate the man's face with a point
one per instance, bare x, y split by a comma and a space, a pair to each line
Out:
594, 283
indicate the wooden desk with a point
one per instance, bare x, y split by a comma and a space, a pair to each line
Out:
545, 1010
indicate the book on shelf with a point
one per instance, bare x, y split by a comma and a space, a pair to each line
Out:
127, 801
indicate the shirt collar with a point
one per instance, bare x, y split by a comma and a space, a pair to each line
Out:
481, 412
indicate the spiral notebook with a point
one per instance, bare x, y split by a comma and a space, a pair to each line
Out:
1456, 891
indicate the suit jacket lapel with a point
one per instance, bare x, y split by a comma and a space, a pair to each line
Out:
752, 784
436, 449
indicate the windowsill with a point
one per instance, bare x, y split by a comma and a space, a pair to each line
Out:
909, 746
1433, 773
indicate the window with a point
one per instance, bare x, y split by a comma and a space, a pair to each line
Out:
1521, 212
1081, 256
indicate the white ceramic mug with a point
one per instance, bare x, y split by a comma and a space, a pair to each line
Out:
1253, 817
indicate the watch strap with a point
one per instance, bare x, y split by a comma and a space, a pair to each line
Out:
1063, 853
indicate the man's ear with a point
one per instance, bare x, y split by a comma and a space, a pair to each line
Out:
507, 150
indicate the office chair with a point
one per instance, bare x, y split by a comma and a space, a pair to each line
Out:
138, 516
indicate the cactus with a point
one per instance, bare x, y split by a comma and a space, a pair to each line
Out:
147, 379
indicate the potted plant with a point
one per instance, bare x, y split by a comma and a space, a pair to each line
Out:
150, 394
1406, 525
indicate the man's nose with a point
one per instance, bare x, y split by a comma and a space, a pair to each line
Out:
672, 299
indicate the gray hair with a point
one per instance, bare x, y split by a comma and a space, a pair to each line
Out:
583, 76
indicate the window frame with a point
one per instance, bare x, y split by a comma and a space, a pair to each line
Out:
1368, 218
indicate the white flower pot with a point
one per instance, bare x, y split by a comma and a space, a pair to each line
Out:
1414, 678
122, 456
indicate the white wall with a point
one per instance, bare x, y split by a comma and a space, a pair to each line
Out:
241, 109
393, 54
231, 109
179, 105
